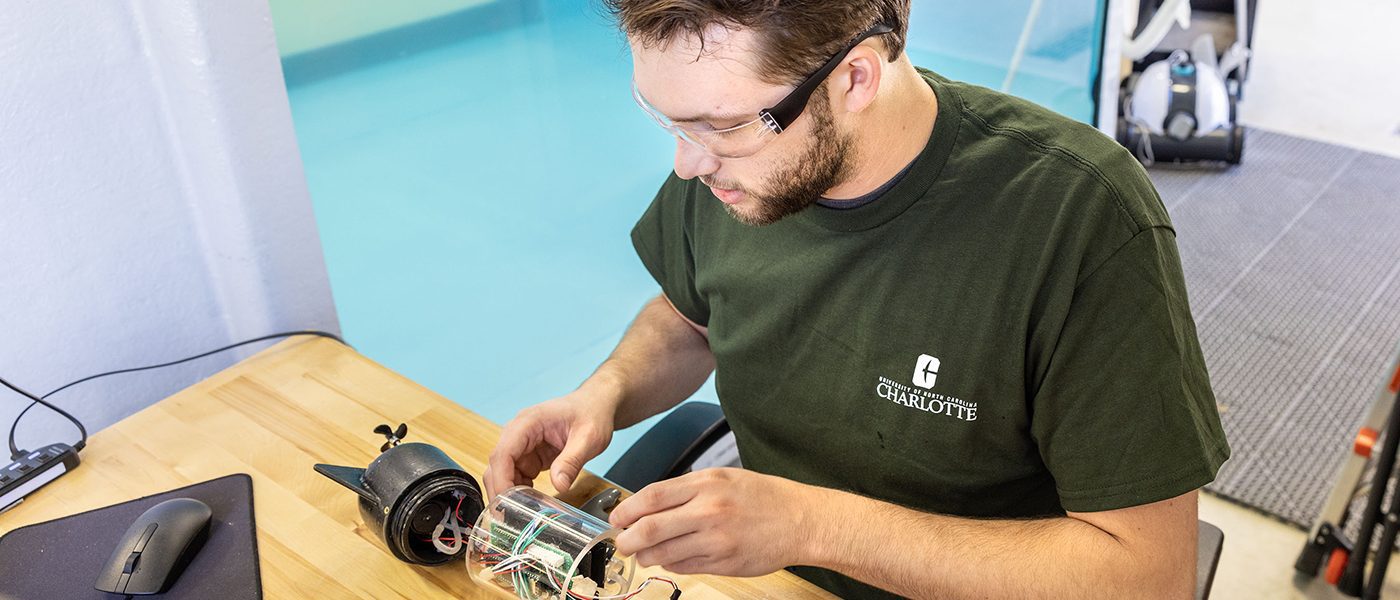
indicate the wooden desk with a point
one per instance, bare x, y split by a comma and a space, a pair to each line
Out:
306, 401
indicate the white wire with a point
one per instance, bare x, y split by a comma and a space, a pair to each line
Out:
519, 556
449, 521
1171, 12
1144, 150
628, 594
1145, 153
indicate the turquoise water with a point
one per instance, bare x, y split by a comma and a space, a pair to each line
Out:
474, 200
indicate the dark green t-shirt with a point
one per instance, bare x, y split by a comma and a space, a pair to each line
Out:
1004, 333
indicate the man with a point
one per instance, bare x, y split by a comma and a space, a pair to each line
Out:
948, 327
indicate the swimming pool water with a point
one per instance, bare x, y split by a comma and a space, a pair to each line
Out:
474, 200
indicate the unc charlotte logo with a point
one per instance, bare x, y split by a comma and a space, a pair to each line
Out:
926, 371
921, 398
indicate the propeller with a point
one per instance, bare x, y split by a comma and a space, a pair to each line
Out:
393, 435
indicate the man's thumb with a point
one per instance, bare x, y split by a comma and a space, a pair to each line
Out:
568, 465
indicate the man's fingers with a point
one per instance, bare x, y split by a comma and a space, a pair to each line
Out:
525, 469
656, 529
529, 465
570, 461
654, 498
498, 475
515, 441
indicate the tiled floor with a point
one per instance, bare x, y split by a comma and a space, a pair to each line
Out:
1325, 70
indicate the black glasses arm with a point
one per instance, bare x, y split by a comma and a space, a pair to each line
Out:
788, 109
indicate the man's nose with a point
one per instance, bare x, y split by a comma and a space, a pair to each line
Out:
693, 161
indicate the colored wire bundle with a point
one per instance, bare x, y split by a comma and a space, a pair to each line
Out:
522, 544
519, 560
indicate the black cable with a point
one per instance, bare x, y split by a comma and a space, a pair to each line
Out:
16, 452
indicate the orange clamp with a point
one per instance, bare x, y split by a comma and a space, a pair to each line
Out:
1335, 565
1365, 440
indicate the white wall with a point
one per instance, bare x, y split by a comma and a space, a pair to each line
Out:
1327, 70
152, 202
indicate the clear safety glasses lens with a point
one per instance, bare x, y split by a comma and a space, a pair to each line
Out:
733, 142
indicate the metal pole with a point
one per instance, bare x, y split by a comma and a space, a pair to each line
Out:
1351, 580
1020, 53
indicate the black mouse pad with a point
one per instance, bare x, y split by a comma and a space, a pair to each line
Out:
61, 558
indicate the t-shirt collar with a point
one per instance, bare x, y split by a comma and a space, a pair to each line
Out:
923, 172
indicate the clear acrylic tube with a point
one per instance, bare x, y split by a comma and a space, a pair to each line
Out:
531, 546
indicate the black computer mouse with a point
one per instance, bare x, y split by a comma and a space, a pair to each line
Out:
156, 548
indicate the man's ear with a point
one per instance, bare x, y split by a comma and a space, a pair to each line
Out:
856, 82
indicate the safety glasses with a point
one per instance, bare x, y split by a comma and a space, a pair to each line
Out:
747, 139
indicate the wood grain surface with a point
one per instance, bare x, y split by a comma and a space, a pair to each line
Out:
274, 415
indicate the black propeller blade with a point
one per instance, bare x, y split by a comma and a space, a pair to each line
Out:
393, 435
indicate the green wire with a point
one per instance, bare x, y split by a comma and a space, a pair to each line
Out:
522, 542
524, 539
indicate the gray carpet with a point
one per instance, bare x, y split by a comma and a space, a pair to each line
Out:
1292, 262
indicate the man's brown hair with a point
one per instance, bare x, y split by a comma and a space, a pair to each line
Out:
795, 36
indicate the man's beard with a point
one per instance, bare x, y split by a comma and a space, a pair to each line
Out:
800, 183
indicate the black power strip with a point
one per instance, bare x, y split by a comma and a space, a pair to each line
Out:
33, 471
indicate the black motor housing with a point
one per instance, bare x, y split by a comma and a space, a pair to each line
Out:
403, 495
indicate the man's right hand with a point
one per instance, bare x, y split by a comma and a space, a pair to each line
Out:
662, 359
561, 434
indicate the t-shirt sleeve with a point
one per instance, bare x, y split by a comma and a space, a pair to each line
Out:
1125, 415
663, 240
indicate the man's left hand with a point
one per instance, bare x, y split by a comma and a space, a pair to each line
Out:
718, 521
